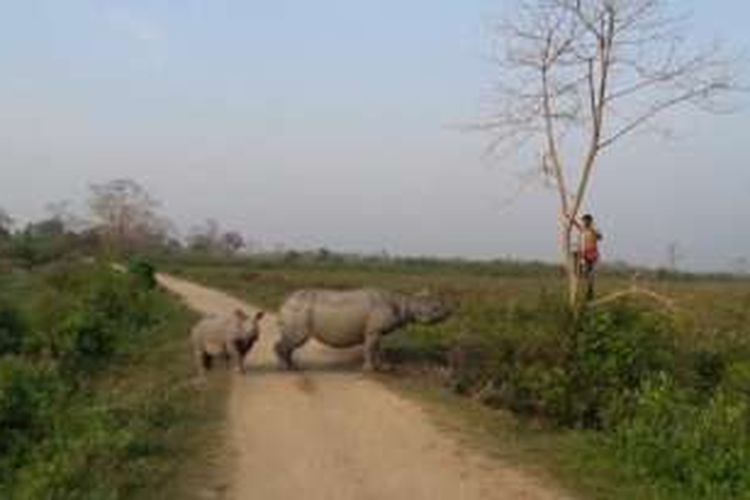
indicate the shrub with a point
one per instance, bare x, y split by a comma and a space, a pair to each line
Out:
28, 395
418, 344
541, 360
688, 450
85, 316
85, 341
705, 370
87, 438
612, 353
69, 405
12, 330
143, 272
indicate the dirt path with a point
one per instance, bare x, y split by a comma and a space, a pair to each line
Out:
330, 433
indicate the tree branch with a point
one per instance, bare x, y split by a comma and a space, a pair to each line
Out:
658, 109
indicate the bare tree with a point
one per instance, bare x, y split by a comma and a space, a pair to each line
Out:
126, 216
578, 76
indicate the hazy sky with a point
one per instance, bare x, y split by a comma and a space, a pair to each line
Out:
332, 123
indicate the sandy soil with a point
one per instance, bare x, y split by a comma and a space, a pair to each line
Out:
329, 433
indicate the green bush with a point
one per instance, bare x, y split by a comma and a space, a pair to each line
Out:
144, 272
85, 341
63, 412
688, 450
679, 418
418, 344
28, 396
541, 360
83, 317
705, 370
91, 436
612, 353
12, 330
31, 251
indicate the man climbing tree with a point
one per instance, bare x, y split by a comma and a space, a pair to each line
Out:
578, 76
587, 254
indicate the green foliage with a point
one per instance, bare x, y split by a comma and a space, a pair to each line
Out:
83, 317
613, 352
705, 370
84, 341
12, 329
539, 360
28, 393
677, 417
418, 344
66, 429
688, 450
736, 378
31, 248
144, 272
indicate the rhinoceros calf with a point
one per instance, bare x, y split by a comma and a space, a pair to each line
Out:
349, 318
230, 337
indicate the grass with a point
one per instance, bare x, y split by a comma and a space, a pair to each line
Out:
512, 312
716, 304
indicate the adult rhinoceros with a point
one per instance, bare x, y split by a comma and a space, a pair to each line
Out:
349, 318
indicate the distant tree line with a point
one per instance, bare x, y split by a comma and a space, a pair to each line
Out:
123, 220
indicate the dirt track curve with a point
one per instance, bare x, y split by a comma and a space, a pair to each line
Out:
331, 433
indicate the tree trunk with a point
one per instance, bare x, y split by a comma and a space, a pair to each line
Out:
571, 264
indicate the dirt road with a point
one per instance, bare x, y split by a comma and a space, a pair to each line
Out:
331, 433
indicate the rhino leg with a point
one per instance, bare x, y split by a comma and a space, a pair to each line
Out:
202, 361
372, 352
233, 357
239, 350
284, 350
286, 346
294, 334
283, 353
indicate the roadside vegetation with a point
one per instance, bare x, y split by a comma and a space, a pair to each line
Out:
95, 392
628, 398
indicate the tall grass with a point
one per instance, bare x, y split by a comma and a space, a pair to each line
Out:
665, 394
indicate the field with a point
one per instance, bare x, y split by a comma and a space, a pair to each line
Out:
633, 399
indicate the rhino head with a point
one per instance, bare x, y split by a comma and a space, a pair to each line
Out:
245, 341
428, 309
